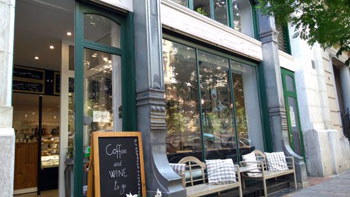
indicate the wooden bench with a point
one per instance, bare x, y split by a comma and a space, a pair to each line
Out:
198, 185
263, 173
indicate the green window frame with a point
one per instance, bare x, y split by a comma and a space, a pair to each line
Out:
283, 38
126, 51
230, 14
260, 86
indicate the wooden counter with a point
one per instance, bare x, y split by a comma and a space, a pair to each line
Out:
26, 165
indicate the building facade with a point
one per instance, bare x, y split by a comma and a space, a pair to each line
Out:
211, 79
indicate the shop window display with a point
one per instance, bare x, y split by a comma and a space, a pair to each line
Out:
205, 110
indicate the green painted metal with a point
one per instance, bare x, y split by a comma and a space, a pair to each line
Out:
212, 10
204, 150
255, 19
190, 4
79, 105
234, 112
125, 20
286, 38
265, 116
230, 14
99, 47
129, 78
287, 94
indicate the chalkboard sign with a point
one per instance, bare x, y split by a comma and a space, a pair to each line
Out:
30, 87
118, 164
28, 73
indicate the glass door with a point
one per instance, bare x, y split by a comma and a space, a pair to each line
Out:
291, 103
99, 57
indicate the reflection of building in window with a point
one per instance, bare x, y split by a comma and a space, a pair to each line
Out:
241, 18
184, 121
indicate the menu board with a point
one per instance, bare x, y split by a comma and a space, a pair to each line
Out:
28, 80
118, 164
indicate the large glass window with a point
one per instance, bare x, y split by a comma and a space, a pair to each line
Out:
202, 7
204, 109
248, 118
218, 128
182, 116
241, 18
220, 11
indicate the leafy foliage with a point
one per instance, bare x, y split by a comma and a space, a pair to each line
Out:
326, 22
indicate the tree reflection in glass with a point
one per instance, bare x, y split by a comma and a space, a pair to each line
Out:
216, 103
182, 114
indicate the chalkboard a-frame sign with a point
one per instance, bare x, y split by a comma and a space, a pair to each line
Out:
117, 164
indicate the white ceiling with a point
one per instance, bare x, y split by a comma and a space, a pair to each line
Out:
39, 24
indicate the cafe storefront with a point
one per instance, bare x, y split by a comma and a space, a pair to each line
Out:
124, 67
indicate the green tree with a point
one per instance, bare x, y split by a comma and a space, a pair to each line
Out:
326, 22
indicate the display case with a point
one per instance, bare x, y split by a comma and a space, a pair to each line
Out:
49, 151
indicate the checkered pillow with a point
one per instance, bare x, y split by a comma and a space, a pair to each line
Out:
253, 166
178, 168
276, 161
220, 171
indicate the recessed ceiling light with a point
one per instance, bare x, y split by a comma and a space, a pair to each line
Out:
69, 33
52, 47
36, 57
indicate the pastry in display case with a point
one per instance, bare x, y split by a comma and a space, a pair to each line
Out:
50, 148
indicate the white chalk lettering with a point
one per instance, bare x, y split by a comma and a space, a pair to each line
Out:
116, 187
117, 151
118, 173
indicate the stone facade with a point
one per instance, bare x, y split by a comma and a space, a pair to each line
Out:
7, 135
320, 112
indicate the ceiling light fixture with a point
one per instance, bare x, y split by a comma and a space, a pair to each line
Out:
69, 33
36, 57
52, 47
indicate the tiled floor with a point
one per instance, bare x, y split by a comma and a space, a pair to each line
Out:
50, 193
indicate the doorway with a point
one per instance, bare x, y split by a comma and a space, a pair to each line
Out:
290, 98
42, 30
66, 85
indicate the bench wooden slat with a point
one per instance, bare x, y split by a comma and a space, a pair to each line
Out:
204, 189
274, 174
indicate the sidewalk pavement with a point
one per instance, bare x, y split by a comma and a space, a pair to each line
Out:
338, 185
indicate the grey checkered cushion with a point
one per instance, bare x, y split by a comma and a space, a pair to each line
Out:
276, 161
220, 171
253, 166
178, 168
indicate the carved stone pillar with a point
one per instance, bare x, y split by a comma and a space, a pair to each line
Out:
274, 91
150, 98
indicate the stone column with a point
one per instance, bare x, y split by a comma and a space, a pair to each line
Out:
345, 86
150, 98
274, 92
7, 135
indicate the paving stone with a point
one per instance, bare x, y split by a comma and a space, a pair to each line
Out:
338, 186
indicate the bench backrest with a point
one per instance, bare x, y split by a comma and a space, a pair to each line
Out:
192, 164
260, 156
